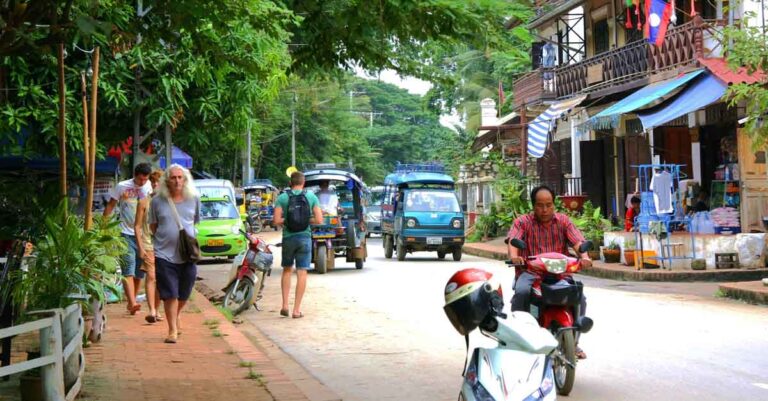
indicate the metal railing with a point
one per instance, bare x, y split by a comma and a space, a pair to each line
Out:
61, 348
565, 186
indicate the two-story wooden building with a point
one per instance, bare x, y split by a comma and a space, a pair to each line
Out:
601, 99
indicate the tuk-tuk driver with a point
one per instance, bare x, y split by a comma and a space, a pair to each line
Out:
329, 201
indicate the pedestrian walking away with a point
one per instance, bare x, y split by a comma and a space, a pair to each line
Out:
176, 204
126, 196
146, 250
296, 208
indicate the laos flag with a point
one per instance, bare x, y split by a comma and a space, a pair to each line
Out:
658, 13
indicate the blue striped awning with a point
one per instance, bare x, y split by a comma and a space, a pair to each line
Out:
539, 129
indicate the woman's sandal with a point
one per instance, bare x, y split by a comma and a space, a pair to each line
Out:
171, 339
299, 315
151, 319
284, 312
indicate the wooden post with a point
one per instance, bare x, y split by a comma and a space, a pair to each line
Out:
52, 374
86, 149
524, 141
62, 125
92, 127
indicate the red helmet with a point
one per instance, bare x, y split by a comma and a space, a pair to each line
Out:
469, 298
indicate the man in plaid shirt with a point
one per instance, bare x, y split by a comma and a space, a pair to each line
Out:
542, 231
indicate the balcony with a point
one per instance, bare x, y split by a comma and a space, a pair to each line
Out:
620, 69
534, 87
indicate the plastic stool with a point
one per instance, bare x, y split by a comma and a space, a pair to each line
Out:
726, 260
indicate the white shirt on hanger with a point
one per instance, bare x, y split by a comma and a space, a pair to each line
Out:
661, 185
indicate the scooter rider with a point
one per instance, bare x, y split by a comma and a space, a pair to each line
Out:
542, 231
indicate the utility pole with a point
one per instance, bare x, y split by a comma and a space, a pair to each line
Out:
293, 131
352, 93
247, 156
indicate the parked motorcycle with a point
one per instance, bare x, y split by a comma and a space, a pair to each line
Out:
520, 367
556, 299
246, 276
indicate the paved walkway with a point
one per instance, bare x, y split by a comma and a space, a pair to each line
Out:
211, 361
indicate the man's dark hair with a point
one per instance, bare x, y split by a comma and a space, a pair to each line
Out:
142, 169
634, 200
297, 178
536, 190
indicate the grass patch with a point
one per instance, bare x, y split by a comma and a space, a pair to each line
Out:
211, 322
231, 352
226, 312
720, 294
217, 333
253, 375
246, 364
192, 309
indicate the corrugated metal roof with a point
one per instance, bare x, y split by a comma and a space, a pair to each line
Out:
719, 68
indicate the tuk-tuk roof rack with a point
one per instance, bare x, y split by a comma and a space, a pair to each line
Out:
322, 166
432, 167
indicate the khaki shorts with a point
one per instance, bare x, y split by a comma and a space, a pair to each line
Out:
148, 263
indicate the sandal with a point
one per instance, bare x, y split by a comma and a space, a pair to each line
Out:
151, 319
134, 309
171, 339
298, 316
580, 354
284, 312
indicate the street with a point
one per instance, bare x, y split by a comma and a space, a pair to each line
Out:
380, 334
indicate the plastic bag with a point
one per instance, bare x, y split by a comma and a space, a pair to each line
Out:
750, 248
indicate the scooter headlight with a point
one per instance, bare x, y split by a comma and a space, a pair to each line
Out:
555, 266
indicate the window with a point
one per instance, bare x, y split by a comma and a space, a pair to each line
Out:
600, 36
218, 209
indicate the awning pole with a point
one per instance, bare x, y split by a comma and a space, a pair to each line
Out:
616, 174
524, 141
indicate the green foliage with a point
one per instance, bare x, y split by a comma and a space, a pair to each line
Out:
630, 244
67, 260
591, 223
750, 50
613, 245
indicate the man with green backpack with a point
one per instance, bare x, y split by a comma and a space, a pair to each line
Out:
296, 209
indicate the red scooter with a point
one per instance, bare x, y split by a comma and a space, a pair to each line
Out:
556, 299
246, 276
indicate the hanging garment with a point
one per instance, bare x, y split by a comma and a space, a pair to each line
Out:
661, 185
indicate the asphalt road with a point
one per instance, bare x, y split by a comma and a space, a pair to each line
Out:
380, 334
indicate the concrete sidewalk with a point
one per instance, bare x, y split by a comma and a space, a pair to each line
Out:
212, 360
741, 284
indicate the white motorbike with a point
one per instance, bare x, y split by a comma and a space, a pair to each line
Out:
246, 276
520, 366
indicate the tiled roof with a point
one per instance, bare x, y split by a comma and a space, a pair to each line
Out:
719, 67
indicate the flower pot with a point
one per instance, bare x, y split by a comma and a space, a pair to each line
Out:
629, 257
573, 202
594, 255
612, 255
31, 387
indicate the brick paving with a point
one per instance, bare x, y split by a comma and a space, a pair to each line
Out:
132, 363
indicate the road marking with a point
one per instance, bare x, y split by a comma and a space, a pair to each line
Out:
761, 385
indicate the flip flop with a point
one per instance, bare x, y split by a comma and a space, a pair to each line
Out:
150, 318
135, 309
170, 340
580, 354
284, 312
299, 315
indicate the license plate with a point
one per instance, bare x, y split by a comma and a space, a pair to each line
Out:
434, 240
215, 242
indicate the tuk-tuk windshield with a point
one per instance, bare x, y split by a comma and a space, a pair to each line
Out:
218, 209
377, 198
431, 201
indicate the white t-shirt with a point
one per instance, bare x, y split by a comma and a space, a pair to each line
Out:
661, 185
329, 201
128, 195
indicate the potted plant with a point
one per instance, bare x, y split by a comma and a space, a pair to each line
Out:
612, 252
629, 252
592, 225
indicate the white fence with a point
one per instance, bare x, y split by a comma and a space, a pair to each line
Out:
61, 351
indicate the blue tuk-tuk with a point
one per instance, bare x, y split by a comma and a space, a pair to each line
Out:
420, 212
343, 232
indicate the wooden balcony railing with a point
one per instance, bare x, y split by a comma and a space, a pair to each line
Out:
535, 86
613, 70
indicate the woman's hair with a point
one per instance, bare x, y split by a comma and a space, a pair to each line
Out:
189, 190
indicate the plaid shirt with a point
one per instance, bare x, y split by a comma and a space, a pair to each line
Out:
538, 238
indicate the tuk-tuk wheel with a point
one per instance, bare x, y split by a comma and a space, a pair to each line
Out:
400, 250
457, 254
321, 259
388, 246
358, 264
440, 255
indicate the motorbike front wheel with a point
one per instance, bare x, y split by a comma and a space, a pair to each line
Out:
239, 296
565, 363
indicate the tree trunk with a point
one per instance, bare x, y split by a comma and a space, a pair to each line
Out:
92, 127
62, 125
86, 149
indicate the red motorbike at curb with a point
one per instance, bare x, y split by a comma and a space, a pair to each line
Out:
556, 302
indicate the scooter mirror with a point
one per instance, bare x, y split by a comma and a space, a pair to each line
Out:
585, 246
518, 243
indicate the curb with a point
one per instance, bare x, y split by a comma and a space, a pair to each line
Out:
730, 275
284, 378
751, 296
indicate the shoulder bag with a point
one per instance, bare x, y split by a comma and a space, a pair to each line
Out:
188, 247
